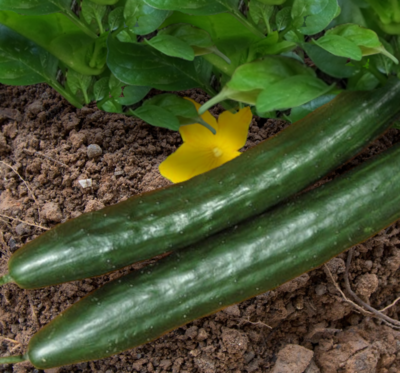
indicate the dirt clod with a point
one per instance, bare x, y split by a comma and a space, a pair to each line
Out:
51, 211
293, 359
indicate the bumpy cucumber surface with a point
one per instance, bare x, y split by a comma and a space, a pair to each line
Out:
227, 268
177, 216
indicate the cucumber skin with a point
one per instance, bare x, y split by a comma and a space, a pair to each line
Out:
227, 268
169, 219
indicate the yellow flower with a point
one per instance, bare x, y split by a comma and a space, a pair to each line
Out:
202, 151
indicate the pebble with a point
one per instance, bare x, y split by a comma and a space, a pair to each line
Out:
94, 150
12, 244
21, 229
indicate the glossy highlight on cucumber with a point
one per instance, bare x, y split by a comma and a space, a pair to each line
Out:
180, 215
237, 264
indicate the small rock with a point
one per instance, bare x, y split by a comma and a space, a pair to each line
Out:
77, 139
367, 284
4, 148
70, 121
294, 284
12, 244
94, 150
249, 356
85, 183
234, 341
11, 130
293, 359
35, 107
22, 229
51, 211
202, 334
191, 332
312, 368
233, 310
165, 364
93, 205
8, 205
320, 289
11, 114
363, 361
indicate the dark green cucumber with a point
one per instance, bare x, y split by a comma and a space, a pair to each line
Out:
177, 216
226, 268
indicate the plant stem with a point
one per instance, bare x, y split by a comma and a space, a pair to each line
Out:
13, 359
373, 70
219, 63
60, 89
5, 279
242, 19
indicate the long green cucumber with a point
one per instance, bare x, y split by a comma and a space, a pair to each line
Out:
177, 216
226, 268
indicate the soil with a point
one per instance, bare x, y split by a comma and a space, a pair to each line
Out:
303, 326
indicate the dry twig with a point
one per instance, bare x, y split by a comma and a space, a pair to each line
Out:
26, 184
378, 314
45, 156
247, 321
25, 222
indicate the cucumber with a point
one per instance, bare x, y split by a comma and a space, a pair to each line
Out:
172, 218
224, 269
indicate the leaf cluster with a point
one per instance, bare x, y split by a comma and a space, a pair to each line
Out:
269, 54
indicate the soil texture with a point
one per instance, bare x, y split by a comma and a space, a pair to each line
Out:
305, 325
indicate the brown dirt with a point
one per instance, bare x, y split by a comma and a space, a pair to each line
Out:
303, 326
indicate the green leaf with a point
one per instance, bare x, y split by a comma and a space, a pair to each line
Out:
339, 46
23, 62
272, 2
189, 34
116, 18
29, 7
172, 46
260, 74
332, 65
137, 64
366, 39
268, 46
261, 13
27, 57
283, 18
350, 13
143, 19
228, 34
93, 14
359, 35
174, 104
59, 36
290, 92
132, 94
157, 116
105, 2
115, 87
313, 16
110, 106
362, 82
300, 112
101, 88
79, 83
250, 79
195, 7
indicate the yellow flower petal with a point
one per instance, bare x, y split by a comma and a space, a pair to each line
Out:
189, 161
233, 128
